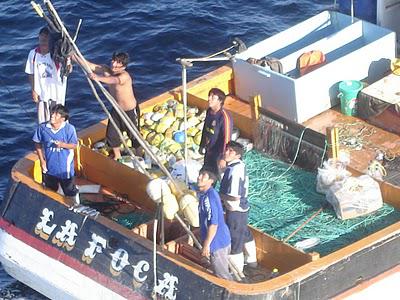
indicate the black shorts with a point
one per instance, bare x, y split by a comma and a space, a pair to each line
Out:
112, 137
67, 185
211, 163
240, 232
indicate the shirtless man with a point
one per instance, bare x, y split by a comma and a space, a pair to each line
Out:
120, 87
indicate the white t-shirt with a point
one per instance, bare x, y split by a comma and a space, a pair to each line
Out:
47, 80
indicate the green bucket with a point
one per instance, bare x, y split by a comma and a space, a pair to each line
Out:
348, 91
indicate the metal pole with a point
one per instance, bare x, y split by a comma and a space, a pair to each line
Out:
352, 11
184, 99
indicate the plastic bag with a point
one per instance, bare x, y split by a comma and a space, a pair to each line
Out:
332, 171
355, 196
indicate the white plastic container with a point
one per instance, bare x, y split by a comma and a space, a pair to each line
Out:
351, 53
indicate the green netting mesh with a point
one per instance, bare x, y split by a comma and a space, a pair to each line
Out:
281, 203
133, 219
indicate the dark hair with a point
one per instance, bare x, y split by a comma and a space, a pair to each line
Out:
44, 31
121, 57
211, 174
217, 92
62, 110
237, 147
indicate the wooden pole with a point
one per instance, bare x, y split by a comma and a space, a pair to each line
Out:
303, 224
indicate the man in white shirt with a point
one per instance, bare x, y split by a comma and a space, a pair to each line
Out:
48, 88
233, 192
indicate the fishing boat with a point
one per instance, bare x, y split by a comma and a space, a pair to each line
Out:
94, 251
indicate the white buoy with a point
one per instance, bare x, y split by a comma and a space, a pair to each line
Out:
157, 188
189, 205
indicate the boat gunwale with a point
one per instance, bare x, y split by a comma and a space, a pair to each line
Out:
20, 172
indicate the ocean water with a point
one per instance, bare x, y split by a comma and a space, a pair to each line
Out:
153, 32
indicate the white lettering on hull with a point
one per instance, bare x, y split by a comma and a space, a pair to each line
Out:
66, 238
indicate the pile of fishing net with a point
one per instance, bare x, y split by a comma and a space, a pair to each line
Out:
282, 200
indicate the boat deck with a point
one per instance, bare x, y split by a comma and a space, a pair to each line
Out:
375, 139
371, 138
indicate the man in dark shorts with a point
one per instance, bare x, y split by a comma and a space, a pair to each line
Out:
55, 142
233, 191
120, 87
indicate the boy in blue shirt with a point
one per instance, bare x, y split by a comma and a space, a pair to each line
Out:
55, 142
213, 231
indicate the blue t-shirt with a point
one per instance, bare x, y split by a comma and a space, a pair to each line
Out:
59, 161
235, 183
211, 213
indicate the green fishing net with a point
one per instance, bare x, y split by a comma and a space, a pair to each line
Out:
282, 200
133, 219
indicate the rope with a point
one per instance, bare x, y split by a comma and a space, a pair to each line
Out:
296, 155
131, 127
280, 206
354, 136
155, 227
120, 135
16, 100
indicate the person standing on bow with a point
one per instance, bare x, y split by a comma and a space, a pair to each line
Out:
47, 84
217, 131
55, 142
233, 191
120, 87
214, 233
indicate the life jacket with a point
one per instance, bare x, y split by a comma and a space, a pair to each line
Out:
310, 61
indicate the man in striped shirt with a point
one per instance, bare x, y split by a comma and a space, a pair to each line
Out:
217, 131
233, 192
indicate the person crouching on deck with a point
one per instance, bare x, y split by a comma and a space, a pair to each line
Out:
120, 87
217, 131
214, 233
55, 142
233, 191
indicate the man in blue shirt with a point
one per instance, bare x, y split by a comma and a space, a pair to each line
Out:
213, 231
217, 131
233, 191
55, 142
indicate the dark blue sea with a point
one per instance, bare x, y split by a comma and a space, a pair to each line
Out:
153, 32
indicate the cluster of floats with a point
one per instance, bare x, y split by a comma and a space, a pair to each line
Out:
69, 253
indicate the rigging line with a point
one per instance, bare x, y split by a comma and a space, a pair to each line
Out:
323, 154
132, 128
127, 122
296, 155
16, 100
135, 160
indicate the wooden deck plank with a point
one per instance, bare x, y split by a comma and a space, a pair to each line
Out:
360, 159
